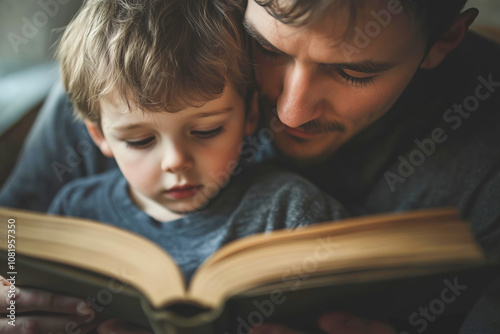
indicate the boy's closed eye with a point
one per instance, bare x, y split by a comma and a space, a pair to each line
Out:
143, 143
209, 133
146, 142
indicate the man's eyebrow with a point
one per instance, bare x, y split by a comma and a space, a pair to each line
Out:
257, 36
366, 66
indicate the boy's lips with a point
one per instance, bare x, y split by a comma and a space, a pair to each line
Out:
182, 192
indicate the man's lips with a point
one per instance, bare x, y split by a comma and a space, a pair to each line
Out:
182, 192
300, 133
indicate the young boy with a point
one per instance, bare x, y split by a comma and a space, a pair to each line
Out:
161, 87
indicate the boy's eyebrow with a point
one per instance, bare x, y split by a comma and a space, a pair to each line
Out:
365, 66
126, 127
198, 115
214, 112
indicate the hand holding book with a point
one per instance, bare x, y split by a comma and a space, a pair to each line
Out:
335, 322
113, 326
59, 311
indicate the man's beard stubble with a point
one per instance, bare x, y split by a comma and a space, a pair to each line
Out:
313, 126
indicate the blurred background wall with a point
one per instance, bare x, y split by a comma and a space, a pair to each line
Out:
27, 30
489, 12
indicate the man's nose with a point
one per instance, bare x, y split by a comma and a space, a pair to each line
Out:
301, 99
176, 159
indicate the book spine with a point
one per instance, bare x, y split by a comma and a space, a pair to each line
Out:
169, 328
166, 322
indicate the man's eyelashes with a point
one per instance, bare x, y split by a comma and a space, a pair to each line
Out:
267, 54
272, 56
355, 81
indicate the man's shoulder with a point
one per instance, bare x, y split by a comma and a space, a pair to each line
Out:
476, 46
84, 197
458, 148
274, 180
287, 197
94, 183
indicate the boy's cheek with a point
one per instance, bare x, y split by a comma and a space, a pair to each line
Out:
224, 165
140, 176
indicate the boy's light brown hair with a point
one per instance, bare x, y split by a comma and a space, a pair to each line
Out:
160, 55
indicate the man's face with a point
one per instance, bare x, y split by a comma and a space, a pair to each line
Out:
175, 161
326, 88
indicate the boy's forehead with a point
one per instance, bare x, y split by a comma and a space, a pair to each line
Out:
116, 111
121, 113
116, 102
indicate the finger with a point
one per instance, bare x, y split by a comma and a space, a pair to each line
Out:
37, 300
271, 329
5, 293
86, 328
116, 326
45, 324
4, 281
5, 297
345, 323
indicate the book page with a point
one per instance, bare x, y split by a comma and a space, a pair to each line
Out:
99, 248
389, 243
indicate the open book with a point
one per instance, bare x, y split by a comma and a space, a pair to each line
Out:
382, 267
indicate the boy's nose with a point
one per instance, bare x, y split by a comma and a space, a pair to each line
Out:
176, 161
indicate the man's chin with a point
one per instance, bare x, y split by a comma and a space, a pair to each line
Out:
304, 153
303, 157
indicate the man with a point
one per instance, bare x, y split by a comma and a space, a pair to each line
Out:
389, 107
386, 109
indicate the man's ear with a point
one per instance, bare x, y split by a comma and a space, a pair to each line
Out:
96, 134
450, 40
252, 117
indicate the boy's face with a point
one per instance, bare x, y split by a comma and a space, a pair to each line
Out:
325, 88
175, 161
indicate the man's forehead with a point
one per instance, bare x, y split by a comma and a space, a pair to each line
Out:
337, 21
331, 27
305, 12
366, 37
